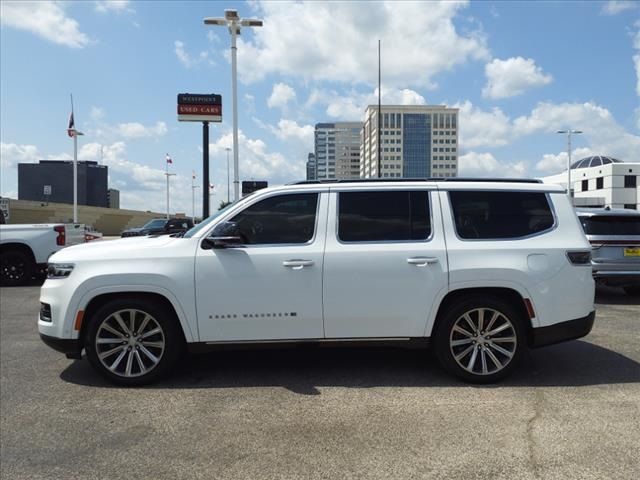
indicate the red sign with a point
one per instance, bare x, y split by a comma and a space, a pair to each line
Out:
199, 109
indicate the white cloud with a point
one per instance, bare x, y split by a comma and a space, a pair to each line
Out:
289, 129
256, 162
116, 6
479, 128
313, 40
351, 106
474, 164
614, 7
46, 19
513, 76
96, 114
188, 60
553, 163
138, 130
281, 95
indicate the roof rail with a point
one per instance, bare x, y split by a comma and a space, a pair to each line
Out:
448, 179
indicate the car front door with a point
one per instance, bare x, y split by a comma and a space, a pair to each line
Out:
385, 262
270, 287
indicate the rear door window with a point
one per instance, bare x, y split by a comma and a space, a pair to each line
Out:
611, 225
379, 216
500, 214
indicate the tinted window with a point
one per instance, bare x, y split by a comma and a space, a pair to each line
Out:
490, 215
599, 183
629, 181
383, 216
157, 223
611, 225
279, 219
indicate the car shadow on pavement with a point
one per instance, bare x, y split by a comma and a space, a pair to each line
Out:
614, 296
303, 370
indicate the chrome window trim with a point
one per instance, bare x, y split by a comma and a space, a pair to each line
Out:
384, 242
509, 239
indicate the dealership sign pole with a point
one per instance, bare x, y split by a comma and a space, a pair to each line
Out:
205, 108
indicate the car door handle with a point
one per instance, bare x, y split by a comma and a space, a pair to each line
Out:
297, 264
421, 261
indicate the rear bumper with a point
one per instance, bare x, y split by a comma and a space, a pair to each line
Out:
617, 278
562, 332
71, 347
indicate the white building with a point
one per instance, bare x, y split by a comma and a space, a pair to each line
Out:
417, 141
337, 150
601, 181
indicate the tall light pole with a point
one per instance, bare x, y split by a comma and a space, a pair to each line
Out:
169, 161
228, 150
234, 22
76, 134
568, 132
193, 198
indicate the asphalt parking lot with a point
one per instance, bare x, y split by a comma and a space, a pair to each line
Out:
570, 411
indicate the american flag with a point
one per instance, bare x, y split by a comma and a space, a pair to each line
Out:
169, 161
71, 129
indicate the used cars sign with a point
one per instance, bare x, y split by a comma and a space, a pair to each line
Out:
195, 107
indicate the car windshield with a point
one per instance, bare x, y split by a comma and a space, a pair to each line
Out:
611, 225
156, 223
207, 221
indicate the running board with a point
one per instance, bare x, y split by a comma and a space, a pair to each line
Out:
403, 342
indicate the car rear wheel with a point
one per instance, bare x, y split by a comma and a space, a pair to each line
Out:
16, 267
132, 341
480, 339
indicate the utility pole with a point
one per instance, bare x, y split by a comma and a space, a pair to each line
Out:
228, 150
379, 111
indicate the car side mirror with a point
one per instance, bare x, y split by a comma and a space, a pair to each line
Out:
225, 235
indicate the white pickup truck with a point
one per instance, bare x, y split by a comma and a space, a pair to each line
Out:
25, 249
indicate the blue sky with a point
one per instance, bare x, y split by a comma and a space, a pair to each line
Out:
518, 71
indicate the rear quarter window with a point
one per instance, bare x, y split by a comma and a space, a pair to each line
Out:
501, 214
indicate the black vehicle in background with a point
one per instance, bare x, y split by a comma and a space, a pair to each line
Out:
160, 226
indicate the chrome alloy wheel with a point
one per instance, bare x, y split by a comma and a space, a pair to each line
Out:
483, 341
130, 343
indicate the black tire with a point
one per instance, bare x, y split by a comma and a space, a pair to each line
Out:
632, 290
445, 337
171, 336
16, 267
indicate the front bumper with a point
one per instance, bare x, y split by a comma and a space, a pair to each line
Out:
563, 331
71, 347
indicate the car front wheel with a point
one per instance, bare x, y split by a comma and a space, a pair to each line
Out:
132, 341
480, 339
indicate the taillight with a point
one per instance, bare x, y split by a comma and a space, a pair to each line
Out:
582, 257
61, 238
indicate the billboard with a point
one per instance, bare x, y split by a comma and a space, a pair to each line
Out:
197, 107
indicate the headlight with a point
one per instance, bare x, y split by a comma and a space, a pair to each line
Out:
59, 270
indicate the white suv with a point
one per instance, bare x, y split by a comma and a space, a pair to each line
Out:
479, 269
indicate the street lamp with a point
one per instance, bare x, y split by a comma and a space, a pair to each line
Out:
568, 132
228, 150
234, 22
75, 134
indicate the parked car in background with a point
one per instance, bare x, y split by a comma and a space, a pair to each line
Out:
160, 226
479, 270
25, 249
614, 235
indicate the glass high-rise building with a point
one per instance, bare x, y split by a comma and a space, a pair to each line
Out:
337, 150
416, 141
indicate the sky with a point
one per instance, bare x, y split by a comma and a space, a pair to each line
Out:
518, 71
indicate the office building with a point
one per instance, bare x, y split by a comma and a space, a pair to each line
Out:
113, 198
417, 141
601, 181
337, 150
311, 166
52, 181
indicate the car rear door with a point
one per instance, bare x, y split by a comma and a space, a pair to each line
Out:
385, 261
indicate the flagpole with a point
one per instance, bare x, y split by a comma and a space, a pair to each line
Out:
167, 175
75, 178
